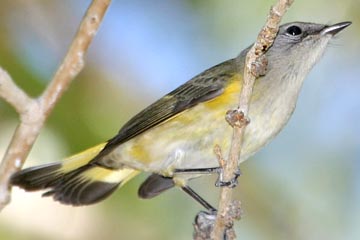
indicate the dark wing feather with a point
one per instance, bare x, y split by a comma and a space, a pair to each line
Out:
203, 87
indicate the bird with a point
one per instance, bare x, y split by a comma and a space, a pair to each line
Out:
173, 138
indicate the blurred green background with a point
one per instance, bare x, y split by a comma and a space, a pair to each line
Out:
304, 185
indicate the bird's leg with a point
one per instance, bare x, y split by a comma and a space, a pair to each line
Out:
196, 197
220, 181
198, 170
232, 183
219, 170
205, 220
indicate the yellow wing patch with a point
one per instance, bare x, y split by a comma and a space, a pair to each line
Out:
229, 97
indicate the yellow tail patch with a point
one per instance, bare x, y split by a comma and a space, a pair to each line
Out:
80, 159
109, 175
76, 180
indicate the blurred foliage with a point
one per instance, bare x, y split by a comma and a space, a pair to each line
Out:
303, 186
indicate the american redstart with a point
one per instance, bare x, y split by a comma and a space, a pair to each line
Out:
174, 137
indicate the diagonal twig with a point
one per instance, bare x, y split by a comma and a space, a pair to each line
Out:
34, 111
254, 61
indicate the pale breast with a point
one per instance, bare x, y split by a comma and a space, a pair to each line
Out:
187, 140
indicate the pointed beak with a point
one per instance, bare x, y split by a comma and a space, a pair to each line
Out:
334, 29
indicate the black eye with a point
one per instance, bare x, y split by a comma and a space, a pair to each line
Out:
294, 30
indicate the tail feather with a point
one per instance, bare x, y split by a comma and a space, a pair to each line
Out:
76, 181
36, 178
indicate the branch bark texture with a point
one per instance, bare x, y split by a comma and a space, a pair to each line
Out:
34, 111
254, 62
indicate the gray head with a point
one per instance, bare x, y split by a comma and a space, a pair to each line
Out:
296, 49
300, 45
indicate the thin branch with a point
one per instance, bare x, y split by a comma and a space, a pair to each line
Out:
34, 112
254, 63
12, 93
74, 59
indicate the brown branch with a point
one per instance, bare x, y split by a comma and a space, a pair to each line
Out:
12, 93
254, 63
34, 112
